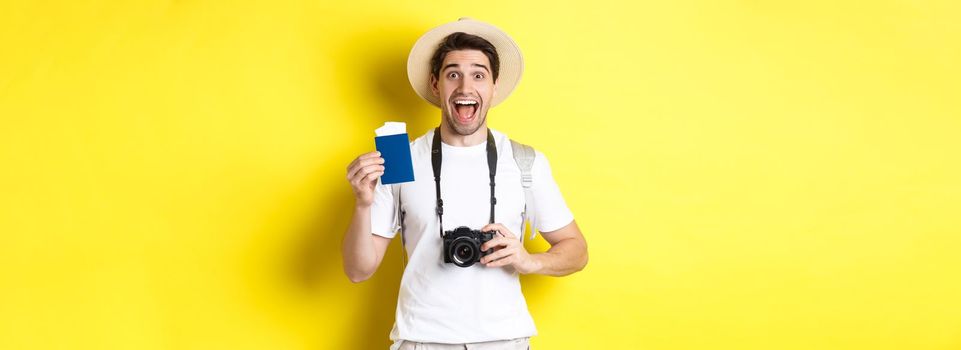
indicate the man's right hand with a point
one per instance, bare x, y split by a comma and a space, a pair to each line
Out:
362, 174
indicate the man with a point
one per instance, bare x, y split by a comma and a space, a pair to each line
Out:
464, 67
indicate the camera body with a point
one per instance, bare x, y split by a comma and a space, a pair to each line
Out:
462, 246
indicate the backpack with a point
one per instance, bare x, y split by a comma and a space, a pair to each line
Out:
524, 157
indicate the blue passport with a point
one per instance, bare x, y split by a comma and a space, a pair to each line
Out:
395, 149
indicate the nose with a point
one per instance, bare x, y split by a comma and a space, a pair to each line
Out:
464, 86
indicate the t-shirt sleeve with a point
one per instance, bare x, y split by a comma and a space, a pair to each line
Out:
383, 218
550, 210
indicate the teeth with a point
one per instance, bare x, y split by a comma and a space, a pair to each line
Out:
465, 102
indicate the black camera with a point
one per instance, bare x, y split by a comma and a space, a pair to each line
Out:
462, 246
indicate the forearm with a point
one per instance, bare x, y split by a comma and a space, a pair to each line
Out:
358, 249
564, 258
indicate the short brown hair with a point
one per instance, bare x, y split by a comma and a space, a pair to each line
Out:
464, 41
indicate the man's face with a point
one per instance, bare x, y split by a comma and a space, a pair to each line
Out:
465, 87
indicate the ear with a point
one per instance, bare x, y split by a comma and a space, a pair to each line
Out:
433, 86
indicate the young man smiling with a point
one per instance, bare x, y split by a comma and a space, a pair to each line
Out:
465, 68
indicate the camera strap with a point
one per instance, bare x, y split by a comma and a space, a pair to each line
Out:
435, 159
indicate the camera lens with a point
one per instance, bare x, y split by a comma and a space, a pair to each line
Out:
463, 252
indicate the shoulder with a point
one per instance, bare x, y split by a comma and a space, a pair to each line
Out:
504, 141
505, 144
425, 138
500, 139
540, 165
422, 143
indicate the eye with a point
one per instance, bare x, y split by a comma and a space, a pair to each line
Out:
479, 76
452, 75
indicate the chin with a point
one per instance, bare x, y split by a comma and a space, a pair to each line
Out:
466, 129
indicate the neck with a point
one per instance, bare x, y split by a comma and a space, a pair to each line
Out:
452, 138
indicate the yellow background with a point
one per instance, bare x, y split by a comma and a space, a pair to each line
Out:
748, 174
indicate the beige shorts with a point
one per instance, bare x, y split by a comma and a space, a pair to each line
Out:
512, 344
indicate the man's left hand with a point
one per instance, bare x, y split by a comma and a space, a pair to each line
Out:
508, 250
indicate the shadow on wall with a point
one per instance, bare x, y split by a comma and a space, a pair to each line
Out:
377, 61
317, 267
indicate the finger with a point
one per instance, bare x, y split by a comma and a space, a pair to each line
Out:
489, 227
352, 171
497, 255
501, 229
372, 177
363, 176
506, 233
365, 167
361, 163
361, 157
351, 165
502, 262
497, 242
369, 155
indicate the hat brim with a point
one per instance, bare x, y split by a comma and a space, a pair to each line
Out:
509, 55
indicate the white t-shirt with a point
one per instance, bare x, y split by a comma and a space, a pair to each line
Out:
440, 302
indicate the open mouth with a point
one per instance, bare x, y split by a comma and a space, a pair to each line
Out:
465, 109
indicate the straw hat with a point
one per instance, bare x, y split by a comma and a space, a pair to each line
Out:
511, 61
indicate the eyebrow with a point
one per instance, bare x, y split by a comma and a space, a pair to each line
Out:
472, 64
